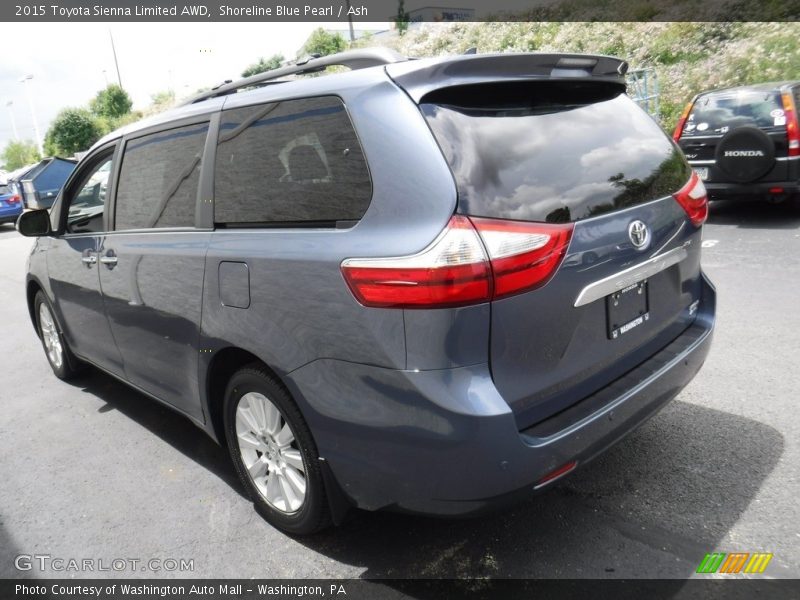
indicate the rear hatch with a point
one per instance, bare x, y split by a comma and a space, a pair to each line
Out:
578, 152
737, 136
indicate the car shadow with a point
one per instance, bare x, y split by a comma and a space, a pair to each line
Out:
7, 230
650, 507
8, 553
171, 427
670, 491
755, 214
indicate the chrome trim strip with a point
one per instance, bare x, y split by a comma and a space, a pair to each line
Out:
701, 162
617, 281
689, 138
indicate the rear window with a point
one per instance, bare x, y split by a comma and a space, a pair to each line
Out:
4, 189
718, 113
54, 176
554, 152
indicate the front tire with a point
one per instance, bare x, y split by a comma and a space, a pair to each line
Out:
56, 349
273, 452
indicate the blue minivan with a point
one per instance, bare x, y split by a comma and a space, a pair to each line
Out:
431, 286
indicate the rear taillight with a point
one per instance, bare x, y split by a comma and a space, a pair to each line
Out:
452, 271
792, 128
694, 200
523, 255
676, 135
13, 199
472, 261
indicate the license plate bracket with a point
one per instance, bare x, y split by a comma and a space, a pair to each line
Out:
627, 309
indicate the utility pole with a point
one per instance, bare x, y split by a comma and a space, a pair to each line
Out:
350, 20
9, 104
116, 64
25, 81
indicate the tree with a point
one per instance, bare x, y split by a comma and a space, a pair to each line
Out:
324, 43
163, 100
401, 20
273, 62
73, 130
19, 154
111, 103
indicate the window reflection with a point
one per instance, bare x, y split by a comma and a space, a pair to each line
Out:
556, 164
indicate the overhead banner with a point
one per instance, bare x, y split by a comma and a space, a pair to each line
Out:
409, 11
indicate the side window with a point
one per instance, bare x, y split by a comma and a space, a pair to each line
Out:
85, 207
159, 178
297, 161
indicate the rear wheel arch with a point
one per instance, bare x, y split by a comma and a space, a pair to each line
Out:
224, 364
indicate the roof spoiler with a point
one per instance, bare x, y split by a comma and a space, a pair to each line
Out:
420, 77
354, 59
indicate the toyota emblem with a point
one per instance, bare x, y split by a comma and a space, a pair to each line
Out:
639, 234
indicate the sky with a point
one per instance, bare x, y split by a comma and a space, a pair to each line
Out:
71, 62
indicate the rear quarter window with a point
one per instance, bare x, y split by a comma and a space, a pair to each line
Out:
552, 152
290, 162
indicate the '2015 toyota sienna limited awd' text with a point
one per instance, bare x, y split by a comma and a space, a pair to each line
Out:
426, 285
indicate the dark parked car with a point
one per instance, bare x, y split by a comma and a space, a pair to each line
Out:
375, 287
10, 203
41, 184
744, 142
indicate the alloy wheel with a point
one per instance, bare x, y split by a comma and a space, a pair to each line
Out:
270, 453
51, 337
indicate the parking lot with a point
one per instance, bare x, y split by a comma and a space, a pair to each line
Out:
91, 469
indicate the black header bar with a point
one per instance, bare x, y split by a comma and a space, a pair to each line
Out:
387, 10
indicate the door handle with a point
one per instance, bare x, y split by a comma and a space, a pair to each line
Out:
89, 257
110, 259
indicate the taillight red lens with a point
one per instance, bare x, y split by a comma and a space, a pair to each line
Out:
676, 135
792, 128
13, 199
452, 271
455, 269
523, 255
694, 200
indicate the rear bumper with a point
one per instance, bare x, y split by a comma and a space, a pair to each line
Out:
444, 442
748, 191
40, 203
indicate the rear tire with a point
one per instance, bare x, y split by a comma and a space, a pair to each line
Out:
274, 453
59, 356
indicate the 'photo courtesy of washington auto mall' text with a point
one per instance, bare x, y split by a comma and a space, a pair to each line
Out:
399, 299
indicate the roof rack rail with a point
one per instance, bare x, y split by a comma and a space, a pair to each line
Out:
355, 59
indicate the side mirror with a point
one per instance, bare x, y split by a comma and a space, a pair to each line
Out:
34, 223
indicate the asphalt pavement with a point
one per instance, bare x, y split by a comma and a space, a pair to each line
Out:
93, 470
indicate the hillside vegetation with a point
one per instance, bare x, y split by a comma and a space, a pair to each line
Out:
687, 57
